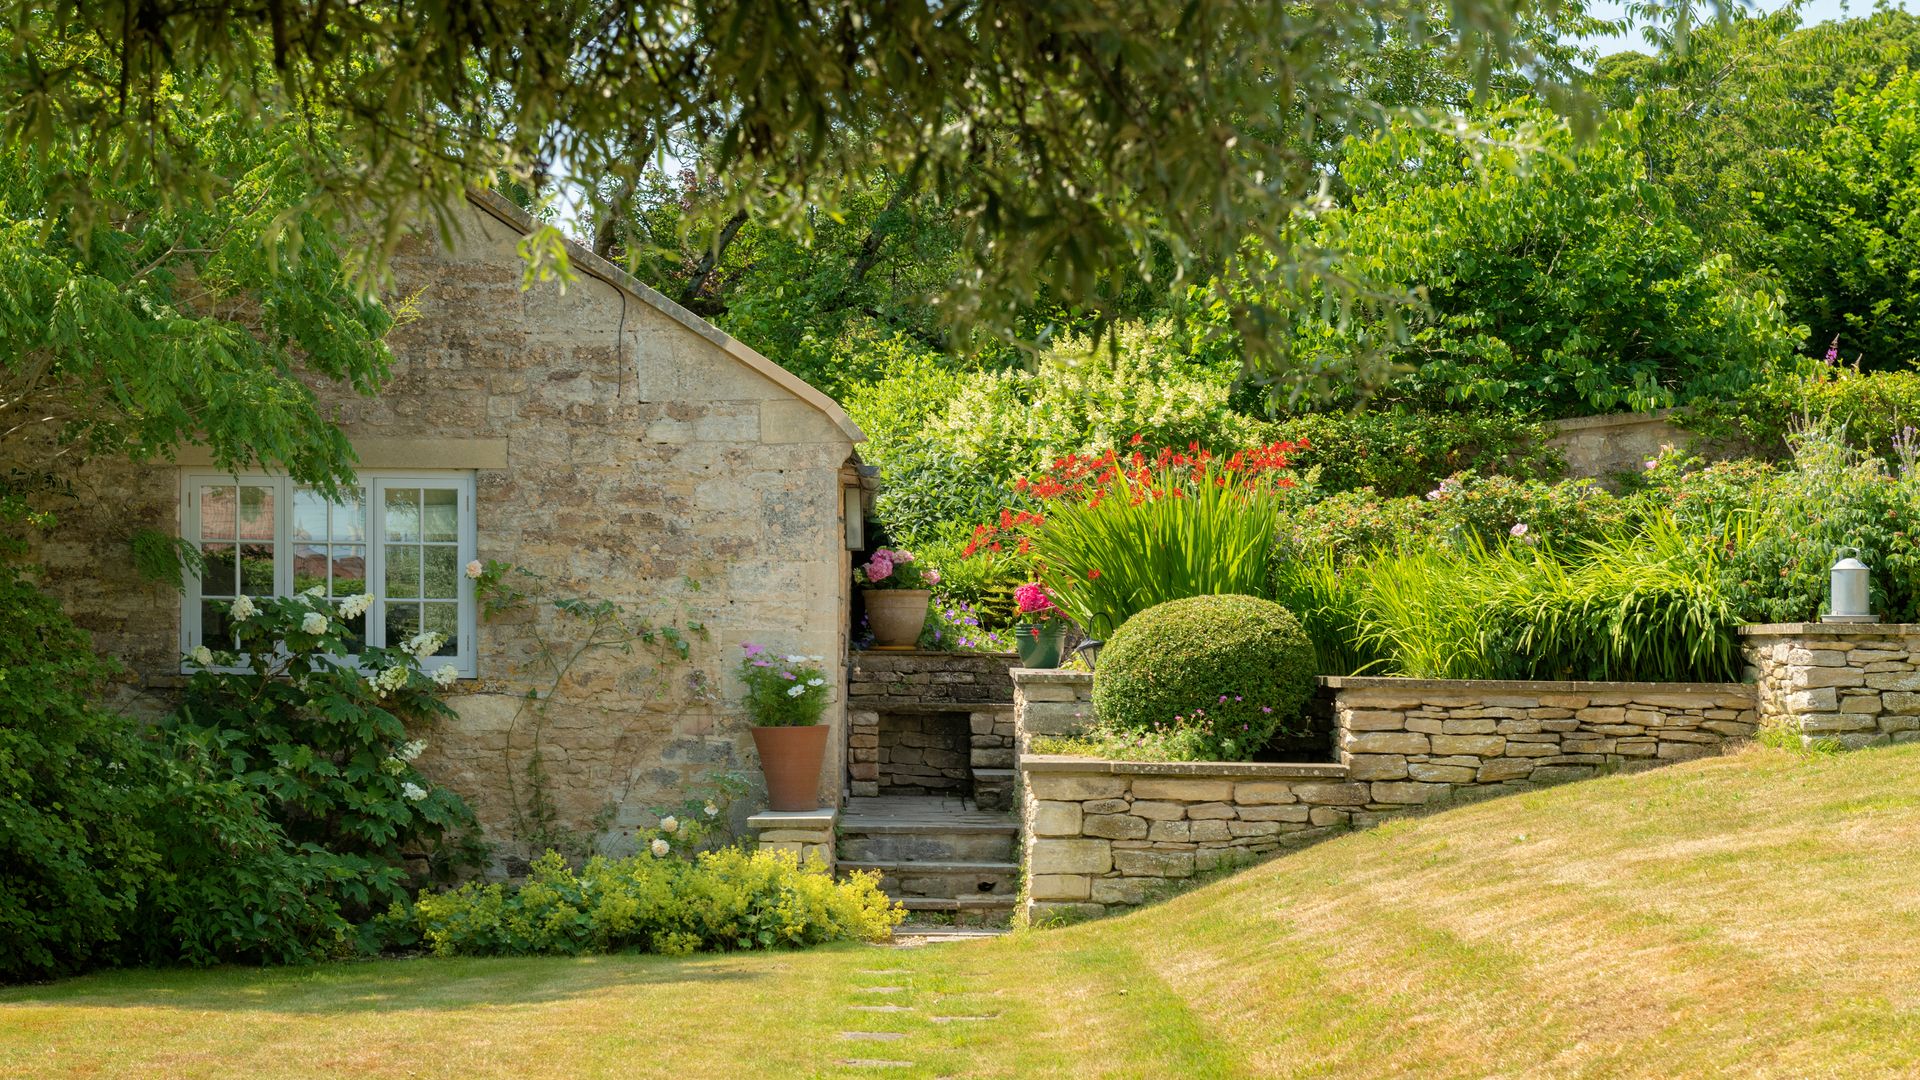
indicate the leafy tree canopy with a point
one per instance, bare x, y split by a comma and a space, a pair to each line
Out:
1080, 144
1545, 274
168, 321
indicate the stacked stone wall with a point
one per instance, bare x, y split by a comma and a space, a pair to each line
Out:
1101, 835
1416, 741
910, 712
1853, 684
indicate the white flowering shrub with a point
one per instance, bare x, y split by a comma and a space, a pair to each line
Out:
330, 748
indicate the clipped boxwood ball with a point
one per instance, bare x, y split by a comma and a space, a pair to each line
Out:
1228, 671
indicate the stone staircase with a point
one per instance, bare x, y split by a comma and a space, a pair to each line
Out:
935, 854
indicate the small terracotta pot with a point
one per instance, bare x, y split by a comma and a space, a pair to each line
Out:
790, 759
896, 616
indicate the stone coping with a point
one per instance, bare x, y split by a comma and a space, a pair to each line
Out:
857, 653
1051, 675
1831, 629
1540, 686
823, 818
1250, 770
1611, 420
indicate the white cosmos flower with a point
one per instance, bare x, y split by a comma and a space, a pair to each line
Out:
412, 792
313, 623
445, 675
355, 606
816, 682
669, 824
659, 848
243, 609
795, 659
796, 690
201, 655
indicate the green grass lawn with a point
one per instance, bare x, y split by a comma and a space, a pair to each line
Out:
1756, 915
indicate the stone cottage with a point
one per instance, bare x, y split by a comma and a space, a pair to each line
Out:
600, 436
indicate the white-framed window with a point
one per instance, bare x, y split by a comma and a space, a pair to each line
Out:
404, 536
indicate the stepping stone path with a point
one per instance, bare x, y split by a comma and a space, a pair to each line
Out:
887, 1036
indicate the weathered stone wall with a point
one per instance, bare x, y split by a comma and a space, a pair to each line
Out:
1856, 684
924, 753
646, 462
902, 690
1100, 835
1107, 834
1416, 741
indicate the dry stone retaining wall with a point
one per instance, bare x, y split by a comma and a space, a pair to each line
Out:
1102, 835
907, 705
1857, 684
1414, 741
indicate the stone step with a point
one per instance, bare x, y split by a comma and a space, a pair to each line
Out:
946, 880
928, 846
966, 911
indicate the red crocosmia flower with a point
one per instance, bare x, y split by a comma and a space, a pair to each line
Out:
1026, 545
995, 546
1137, 439
1020, 484
1093, 575
1006, 519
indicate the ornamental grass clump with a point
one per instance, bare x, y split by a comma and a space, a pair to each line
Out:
1205, 678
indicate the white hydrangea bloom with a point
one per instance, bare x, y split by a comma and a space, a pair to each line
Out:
313, 623
425, 643
412, 792
316, 592
355, 606
445, 675
659, 848
411, 749
669, 824
201, 655
388, 681
243, 609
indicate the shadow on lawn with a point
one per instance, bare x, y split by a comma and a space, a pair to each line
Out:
419, 984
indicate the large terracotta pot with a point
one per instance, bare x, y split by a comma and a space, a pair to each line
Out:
896, 616
790, 758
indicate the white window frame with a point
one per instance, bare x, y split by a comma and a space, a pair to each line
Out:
374, 483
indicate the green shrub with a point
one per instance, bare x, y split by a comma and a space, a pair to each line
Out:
1459, 510
1875, 410
719, 901
1401, 451
73, 852
1211, 677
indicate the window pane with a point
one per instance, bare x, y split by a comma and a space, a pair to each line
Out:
403, 571
221, 574
309, 515
440, 520
403, 514
403, 621
215, 631
350, 516
445, 618
256, 513
349, 570
309, 566
256, 569
216, 512
442, 572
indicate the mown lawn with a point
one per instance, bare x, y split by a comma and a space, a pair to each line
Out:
1757, 915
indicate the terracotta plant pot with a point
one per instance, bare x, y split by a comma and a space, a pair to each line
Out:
790, 759
896, 616
1039, 644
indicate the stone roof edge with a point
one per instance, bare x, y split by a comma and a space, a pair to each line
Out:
586, 261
